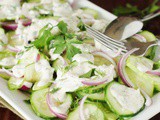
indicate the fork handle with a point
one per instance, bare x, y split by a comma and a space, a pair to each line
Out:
151, 16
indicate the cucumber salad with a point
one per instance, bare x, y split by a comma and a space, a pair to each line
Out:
45, 51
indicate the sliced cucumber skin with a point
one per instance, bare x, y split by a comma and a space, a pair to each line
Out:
13, 86
37, 108
148, 35
99, 60
113, 109
138, 78
74, 115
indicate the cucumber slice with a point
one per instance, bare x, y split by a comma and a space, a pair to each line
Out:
39, 87
140, 79
99, 60
4, 54
2, 31
30, 74
90, 110
117, 106
15, 83
29, 56
92, 89
4, 76
92, 12
33, 1
148, 35
39, 104
94, 96
13, 41
109, 115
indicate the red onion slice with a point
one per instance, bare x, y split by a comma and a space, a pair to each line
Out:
9, 25
154, 72
59, 115
26, 86
26, 22
81, 113
13, 49
121, 68
102, 54
13, 25
139, 38
38, 57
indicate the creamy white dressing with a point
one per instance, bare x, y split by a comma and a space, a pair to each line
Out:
62, 9
84, 57
100, 25
18, 70
10, 9
81, 69
31, 32
45, 71
128, 98
85, 47
8, 61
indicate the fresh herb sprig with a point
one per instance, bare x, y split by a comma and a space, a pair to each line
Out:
62, 42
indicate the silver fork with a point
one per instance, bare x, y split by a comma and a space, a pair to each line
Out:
115, 45
108, 42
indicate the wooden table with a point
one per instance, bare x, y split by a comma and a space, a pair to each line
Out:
6, 114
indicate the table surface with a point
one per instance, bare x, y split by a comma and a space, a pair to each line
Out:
6, 114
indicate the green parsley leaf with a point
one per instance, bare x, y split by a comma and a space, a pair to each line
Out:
44, 37
88, 74
81, 26
62, 26
71, 51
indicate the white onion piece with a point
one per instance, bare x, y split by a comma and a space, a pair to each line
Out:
13, 49
81, 113
102, 54
154, 72
3, 70
121, 68
26, 86
148, 99
139, 38
59, 115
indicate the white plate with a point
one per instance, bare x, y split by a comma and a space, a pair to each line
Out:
16, 98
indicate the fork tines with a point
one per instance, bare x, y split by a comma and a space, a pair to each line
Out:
108, 42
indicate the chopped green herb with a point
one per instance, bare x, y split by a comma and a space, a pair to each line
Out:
62, 26
27, 101
88, 74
